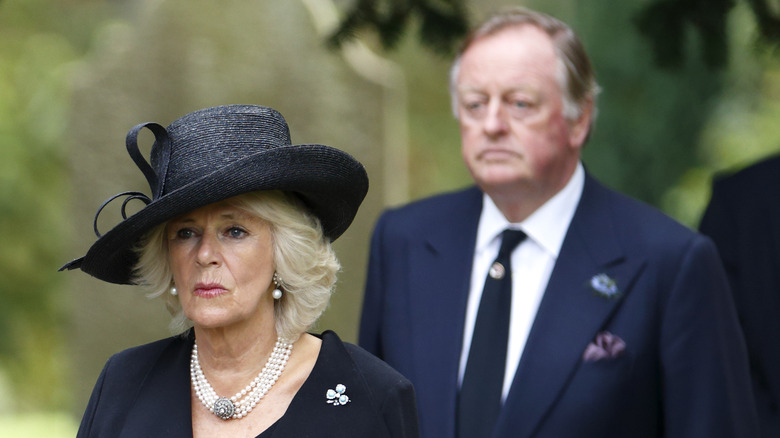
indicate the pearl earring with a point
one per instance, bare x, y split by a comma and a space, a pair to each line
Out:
173, 291
277, 293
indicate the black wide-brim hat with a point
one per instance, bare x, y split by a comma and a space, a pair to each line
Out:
214, 154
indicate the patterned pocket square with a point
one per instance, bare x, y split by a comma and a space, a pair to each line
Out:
604, 346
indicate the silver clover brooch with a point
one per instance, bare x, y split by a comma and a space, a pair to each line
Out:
604, 286
337, 397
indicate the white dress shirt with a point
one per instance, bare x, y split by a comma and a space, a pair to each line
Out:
532, 263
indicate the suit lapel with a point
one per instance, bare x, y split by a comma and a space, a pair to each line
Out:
439, 284
570, 313
334, 365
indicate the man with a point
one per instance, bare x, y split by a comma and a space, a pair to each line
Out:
743, 219
619, 322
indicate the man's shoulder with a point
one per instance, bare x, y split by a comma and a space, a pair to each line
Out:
763, 175
634, 219
439, 205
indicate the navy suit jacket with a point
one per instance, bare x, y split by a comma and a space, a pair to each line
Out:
684, 372
743, 219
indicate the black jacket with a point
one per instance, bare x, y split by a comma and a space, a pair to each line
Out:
145, 392
743, 218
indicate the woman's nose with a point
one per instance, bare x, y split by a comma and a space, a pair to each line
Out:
208, 251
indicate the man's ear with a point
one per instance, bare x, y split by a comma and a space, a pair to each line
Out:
580, 128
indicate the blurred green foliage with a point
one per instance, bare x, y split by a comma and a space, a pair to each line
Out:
742, 127
441, 22
650, 117
664, 23
36, 425
36, 46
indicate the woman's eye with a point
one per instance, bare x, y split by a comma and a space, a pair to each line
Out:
236, 232
184, 233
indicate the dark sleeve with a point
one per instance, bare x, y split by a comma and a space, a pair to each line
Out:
85, 429
124, 400
707, 391
392, 395
399, 411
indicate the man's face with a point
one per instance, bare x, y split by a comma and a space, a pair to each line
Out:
515, 139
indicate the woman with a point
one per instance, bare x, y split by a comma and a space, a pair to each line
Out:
237, 237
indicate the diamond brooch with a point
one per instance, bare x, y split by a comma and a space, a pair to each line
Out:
337, 397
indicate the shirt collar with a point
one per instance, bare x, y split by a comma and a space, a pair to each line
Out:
546, 226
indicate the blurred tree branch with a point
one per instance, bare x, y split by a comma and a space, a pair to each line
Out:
662, 22
442, 22
768, 20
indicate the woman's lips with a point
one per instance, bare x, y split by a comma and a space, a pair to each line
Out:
209, 290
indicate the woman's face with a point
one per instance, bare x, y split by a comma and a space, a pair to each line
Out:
222, 262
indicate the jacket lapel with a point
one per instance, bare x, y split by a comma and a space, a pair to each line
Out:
570, 313
439, 285
311, 415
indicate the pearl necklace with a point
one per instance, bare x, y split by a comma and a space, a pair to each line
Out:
245, 400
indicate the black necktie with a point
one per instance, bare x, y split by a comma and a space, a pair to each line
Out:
479, 401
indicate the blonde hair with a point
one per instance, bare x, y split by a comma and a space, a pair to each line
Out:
303, 256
